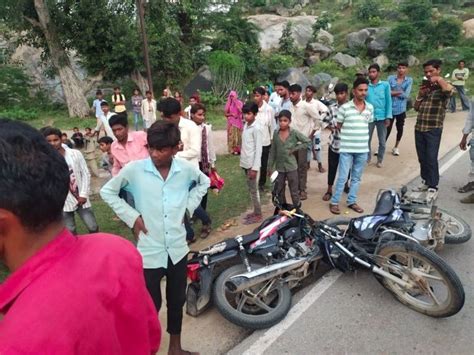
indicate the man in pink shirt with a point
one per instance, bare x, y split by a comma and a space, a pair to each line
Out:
65, 294
129, 146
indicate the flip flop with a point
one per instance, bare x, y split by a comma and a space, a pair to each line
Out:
334, 209
327, 196
355, 207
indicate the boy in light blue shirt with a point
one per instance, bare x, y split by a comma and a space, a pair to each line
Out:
99, 98
379, 95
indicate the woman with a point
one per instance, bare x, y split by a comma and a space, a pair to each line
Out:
233, 113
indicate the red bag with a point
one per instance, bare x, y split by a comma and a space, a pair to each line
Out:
217, 182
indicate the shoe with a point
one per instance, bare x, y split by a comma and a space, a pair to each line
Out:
379, 164
205, 231
466, 188
395, 152
431, 193
303, 195
468, 199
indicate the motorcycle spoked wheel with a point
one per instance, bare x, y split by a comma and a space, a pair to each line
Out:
435, 289
247, 309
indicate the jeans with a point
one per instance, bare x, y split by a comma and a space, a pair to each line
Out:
400, 122
263, 167
462, 96
354, 164
87, 216
137, 116
302, 161
280, 185
202, 214
189, 228
175, 291
382, 135
254, 194
427, 147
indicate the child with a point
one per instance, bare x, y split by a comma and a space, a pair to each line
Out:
99, 98
207, 162
137, 99
118, 99
51, 266
90, 145
103, 121
148, 110
286, 141
250, 158
66, 141
194, 99
107, 159
164, 188
77, 138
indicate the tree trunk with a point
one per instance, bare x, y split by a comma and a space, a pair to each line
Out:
139, 81
72, 86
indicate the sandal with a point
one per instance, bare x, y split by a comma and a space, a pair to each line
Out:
334, 209
205, 231
355, 207
327, 196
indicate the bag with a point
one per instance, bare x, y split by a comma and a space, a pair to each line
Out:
217, 182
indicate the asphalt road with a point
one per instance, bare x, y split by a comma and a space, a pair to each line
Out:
357, 315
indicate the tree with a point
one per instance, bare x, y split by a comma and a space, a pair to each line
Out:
321, 23
227, 72
286, 41
447, 32
404, 40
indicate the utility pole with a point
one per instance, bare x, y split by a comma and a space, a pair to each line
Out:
141, 15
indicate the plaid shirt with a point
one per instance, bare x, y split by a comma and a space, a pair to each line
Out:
432, 110
330, 120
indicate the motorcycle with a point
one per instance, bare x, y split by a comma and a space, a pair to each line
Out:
253, 289
430, 225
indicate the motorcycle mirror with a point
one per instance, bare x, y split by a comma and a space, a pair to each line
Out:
274, 176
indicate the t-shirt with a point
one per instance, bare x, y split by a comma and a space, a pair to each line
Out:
460, 76
118, 98
96, 106
355, 127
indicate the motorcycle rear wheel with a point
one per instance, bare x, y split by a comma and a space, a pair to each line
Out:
251, 312
435, 288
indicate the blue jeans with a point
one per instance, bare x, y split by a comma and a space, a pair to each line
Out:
137, 116
87, 216
353, 163
462, 96
382, 136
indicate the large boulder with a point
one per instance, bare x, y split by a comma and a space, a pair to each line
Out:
271, 28
376, 47
202, 81
468, 27
358, 39
346, 60
294, 76
374, 38
321, 80
319, 49
412, 61
382, 60
325, 37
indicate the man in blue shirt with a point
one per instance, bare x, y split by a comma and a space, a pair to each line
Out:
380, 97
400, 86
164, 188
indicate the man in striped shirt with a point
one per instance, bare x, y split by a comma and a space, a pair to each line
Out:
353, 120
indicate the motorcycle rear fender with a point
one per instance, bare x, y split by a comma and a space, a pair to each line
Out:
198, 295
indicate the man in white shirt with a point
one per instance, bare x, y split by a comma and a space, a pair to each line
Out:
266, 120
103, 121
148, 109
306, 120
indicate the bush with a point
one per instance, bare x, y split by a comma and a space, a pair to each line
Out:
447, 32
19, 114
14, 86
274, 64
368, 9
322, 23
209, 100
286, 42
227, 71
403, 40
346, 75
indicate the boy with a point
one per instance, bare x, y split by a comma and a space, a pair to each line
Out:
107, 159
67, 284
194, 99
66, 141
286, 141
148, 110
89, 151
103, 121
79, 186
96, 107
164, 188
118, 99
251, 158
77, 138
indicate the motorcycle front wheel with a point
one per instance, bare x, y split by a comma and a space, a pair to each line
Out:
433, 288
259, 307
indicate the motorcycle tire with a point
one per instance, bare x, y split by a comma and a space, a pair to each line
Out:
391, 257
251, 318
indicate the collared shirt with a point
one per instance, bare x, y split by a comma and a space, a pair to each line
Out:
251, 151
118, 98
281, 153
380, 97
162, 205
399, 103
148, 109
460, 76
331, 120
96, 106
305, 118
432, 110
79, 295
80, 179
469, 125
355, 127
274, 101
134, 149
191, 139
266, 119
322, 109
103, 121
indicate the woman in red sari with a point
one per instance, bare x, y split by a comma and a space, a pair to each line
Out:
233, 113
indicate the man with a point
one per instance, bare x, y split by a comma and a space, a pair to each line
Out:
66, 294
164, 188
281, 89
379, 96
118, 99
431, 103
193, 99
459, 77
400, 86
266, 119
305, 119
353, 121
77, 200
469, 130
103, 121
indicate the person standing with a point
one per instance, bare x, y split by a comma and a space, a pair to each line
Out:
96, 105
266, 119
90, 146
165, 188
353, 119
77, 200
282, 89
380, 97
459, 77
233, 113
431, 103
306, 120
137, 99
103, 121
148, 108
118, 99
468, 130
400, 86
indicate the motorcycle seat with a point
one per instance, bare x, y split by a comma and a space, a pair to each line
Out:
364, 227
231, 243
385, 203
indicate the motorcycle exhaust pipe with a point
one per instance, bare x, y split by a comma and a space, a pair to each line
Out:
238, 283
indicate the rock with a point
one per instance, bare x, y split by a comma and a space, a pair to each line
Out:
357, 39
271, 28
312, 59
202, 81
412, 61
381, 60
324, 77
346, 60
374, 38
468, 27
294, 76
325, 37
319, 49
282, 11
376, 47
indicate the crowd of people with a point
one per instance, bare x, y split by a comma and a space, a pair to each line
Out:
159, 178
